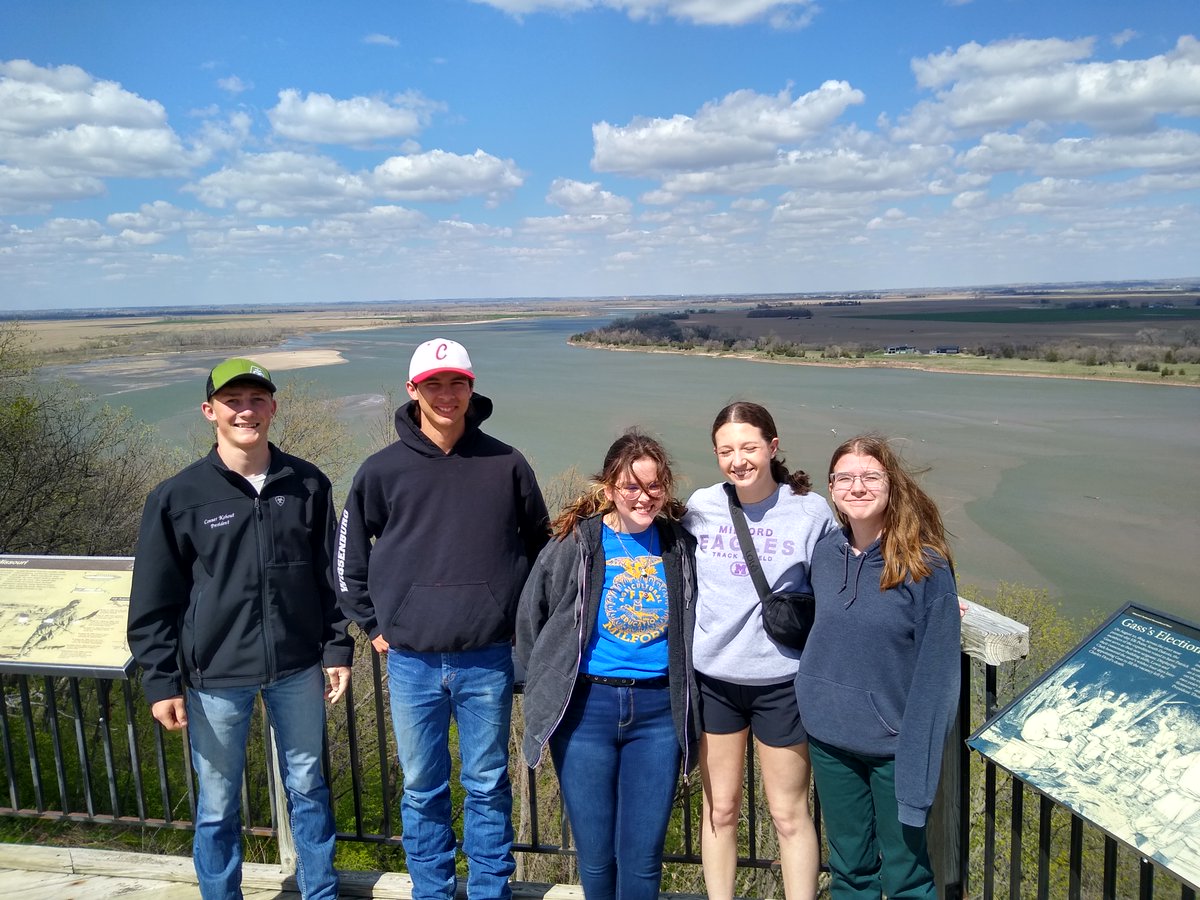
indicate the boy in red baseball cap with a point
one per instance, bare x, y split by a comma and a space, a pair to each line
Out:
437, 536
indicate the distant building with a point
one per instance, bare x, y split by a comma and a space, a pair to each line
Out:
946, 349
900, 348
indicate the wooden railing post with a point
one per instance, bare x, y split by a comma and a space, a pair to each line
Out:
283, 822
992, 639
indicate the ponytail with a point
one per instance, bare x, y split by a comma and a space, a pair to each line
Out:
798, 481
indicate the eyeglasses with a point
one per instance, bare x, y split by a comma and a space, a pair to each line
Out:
632, 491
872, 480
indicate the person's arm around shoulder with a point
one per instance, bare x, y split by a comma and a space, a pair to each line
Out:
162, 584
819, 507
831, 523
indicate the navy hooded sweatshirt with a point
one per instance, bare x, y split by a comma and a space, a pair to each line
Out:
879, 675
433, 547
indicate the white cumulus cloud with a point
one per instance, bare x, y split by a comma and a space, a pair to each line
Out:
998, 59
283, 184
1002, 85
586, 197
62, 122
894, 171
777, 13
321, 119
440, 175
574, 224
743, 126
25, 190
158, 214
233, 85
1163, 150
970, 200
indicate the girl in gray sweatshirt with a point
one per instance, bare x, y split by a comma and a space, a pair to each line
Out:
745, 678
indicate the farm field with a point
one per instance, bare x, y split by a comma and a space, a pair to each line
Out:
968, 323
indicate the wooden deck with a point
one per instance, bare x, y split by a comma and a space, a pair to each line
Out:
66, 873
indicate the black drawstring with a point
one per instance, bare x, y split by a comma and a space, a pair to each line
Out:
862, 560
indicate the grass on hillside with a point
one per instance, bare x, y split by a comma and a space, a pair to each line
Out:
966, 364
962, 364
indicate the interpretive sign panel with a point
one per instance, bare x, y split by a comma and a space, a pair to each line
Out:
65, 615
1113, 733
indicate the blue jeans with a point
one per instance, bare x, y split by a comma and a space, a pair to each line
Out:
218, 722
475, 687
617, 757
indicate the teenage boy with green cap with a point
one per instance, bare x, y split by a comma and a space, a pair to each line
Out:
232, 598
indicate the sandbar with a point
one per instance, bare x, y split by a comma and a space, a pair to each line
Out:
288, 360
196, 363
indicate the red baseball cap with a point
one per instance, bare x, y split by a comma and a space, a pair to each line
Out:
439, 355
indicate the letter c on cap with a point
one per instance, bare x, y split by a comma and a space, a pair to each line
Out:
440, 352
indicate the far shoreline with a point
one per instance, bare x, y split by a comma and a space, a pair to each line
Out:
878, 364
147, 343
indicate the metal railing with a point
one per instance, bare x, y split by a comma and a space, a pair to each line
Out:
87, 750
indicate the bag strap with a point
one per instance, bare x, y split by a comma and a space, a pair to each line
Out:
749, 553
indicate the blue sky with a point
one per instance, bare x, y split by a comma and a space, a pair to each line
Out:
161, 153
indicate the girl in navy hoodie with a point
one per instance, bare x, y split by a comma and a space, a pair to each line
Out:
879, 678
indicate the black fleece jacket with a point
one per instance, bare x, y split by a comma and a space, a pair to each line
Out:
433, 547
232, 588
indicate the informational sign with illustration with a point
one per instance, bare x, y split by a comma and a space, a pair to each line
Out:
1113, 733
65, 615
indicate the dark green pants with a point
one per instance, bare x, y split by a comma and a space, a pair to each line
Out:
871, 854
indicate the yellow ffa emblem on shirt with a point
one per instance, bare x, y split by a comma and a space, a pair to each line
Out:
636, 605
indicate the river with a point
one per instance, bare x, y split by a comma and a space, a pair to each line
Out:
1090, 490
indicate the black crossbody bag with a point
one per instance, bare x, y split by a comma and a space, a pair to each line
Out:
787, 615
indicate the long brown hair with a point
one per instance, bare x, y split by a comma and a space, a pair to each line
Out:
745, 412
624, 452
912, 525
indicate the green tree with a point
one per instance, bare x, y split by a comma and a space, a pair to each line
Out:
73, 471
308, 426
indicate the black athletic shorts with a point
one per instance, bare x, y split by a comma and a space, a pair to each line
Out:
770, 711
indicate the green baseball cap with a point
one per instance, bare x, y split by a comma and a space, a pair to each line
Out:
238, 370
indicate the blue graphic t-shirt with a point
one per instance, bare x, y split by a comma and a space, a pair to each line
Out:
630, 637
